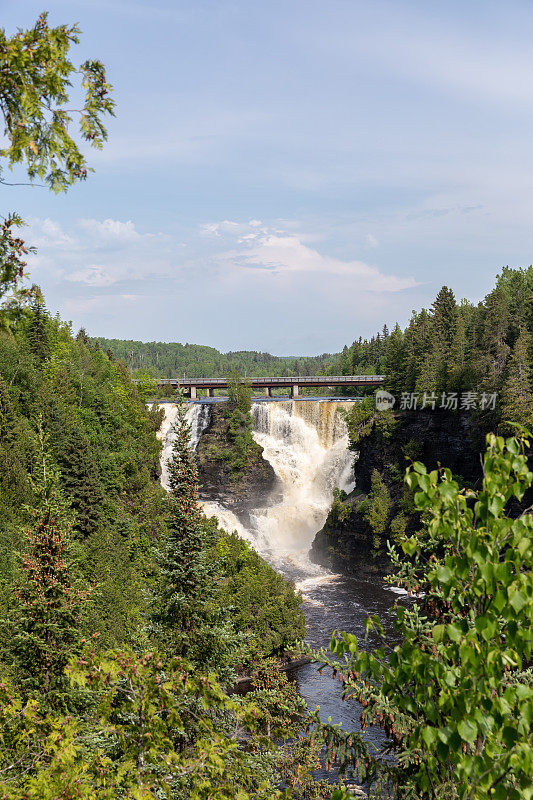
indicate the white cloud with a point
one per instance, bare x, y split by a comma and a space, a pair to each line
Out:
111, 229
281, 253
93, 275
98, 253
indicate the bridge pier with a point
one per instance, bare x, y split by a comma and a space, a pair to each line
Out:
295, 390
210, 392
193, 392
268, 391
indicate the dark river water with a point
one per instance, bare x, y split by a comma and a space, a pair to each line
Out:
342, 604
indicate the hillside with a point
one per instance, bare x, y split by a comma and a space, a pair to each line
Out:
172, 359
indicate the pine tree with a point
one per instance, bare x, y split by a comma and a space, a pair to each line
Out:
184, 619
42, 628
444, 311
37, 331
517, 391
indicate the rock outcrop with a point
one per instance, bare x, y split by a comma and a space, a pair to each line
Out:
348, 542
241, 489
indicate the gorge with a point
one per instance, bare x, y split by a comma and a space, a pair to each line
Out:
305, 442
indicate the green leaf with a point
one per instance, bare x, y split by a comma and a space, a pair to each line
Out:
438, 633
467, 731
518, 600
444, 574
509, 736
429, 736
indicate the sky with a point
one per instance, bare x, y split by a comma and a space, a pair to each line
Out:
288, 176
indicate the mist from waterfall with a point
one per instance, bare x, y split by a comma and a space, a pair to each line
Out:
198, 416
306, 443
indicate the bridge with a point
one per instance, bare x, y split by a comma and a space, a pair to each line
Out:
190, 386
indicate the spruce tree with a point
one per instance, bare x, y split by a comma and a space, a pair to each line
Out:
444, 311
184, 619
81, 480
37, 332
395, 358
42, 628
517, 391
494, 347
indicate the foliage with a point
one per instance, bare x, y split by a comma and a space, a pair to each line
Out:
13, 252
264, 605
186, 619
452, 694
42, 629
517, 392
171, 360
378, 505
144, 740
359, 420
103, 439
35, 80
456, 347
239, 392
340, 511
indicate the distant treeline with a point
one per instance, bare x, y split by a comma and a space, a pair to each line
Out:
170, 360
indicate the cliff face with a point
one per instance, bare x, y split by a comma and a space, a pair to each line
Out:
358, 526
231, 467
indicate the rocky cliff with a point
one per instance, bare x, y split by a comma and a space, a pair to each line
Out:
358, 526
232, 470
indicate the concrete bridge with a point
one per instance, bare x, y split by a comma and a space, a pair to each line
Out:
190, 386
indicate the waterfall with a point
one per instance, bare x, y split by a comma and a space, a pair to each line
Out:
306, 442
198, 416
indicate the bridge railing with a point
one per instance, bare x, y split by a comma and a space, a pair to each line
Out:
326, 380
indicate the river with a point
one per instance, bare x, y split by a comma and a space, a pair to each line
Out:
306, 443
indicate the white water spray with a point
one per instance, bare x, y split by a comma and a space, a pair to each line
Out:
198, 416
306, 443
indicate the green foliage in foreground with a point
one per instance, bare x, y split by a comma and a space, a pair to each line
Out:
36, 77
454, 695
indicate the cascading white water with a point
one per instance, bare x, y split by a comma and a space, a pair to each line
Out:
306, 443
198, 416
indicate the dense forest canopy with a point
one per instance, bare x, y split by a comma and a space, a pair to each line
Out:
457, 347
174, 360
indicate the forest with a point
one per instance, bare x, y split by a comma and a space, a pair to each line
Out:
127, 616
171, 360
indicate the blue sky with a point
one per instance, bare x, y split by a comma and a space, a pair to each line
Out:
287, 176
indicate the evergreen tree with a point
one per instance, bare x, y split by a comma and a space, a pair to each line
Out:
395, 358
37, 332
517, 391
81, 481
444, 311
42, 628
457, 357
184, 617
494, 347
